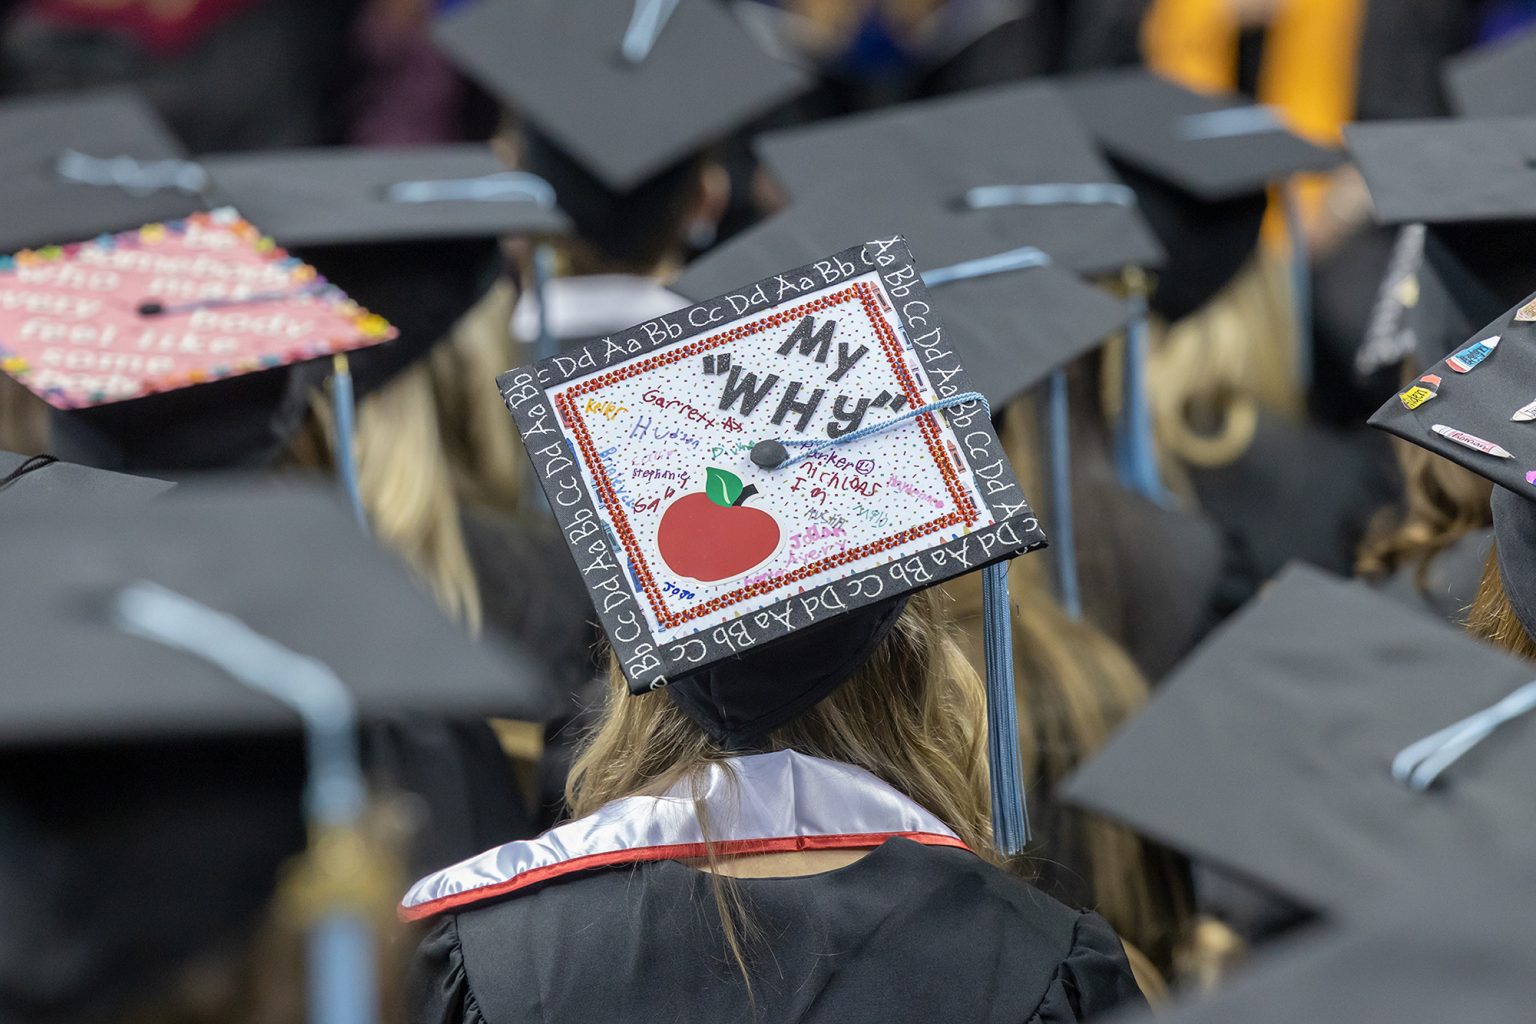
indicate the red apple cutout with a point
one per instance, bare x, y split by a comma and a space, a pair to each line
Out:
711, 536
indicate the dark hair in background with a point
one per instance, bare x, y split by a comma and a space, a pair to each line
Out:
617, 231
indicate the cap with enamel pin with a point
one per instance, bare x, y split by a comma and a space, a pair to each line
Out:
773, 468
1482, 416
88, 164
1493, 79
626, 88
1031, 174
1306, 746
1200, 166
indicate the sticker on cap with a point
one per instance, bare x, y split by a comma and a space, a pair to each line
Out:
1472, 441
1470, 357
1525, 413
1526, 313
1425, 388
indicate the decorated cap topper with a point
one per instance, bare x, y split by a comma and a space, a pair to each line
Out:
743, 468
165, 307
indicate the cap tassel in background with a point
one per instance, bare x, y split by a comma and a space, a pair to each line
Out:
1010, 817
645, 24
1060, 442
1301, 282
1419, 764
340, 870
346, 435
1135, 444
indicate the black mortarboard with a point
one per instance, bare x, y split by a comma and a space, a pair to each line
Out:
1477, 407
1493, 80
1010, 328
563, 67
1467, 180
794, 453
1270, 751
287, 560
344, 196
62, 154
1009, 136
1456, 948
43, 482
1415, 317
1200, 166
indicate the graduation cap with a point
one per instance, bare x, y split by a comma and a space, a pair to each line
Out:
1477, 407
1029, 173
625, 89
1014, 317
42, 481
1415, 316
124, 328
346, 196
1200, 166
1419, 172
167, 656
1493, 80
1011, 327
708, 469
272, 557
1457, 949
82, 165
1273, 751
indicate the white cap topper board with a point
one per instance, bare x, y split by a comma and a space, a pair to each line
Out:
695, 552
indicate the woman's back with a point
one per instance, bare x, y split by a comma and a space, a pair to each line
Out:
908, 933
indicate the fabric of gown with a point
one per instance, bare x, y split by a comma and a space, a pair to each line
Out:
908, 933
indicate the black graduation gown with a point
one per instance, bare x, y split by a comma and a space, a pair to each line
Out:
908, 933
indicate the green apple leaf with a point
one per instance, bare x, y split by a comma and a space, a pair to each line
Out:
722, 487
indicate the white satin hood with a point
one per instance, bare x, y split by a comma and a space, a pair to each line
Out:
754, 804
593, 306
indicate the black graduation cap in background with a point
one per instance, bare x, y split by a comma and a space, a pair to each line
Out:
1269, 752
1200, 166
286, 559
43, 482
1470, 182
1012, 328
1458, 948
935, 151
1415, 315
344, 196
561, 66
1494, 79
49, 136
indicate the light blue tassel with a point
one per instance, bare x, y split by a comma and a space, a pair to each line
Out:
1064, 545
645, 24
1301, 285
1010, 813
1095, 193
543, 272
501, 187
1229, 123
1419, 764
346, 434
1021, 258
1135, 446
342, 984
135, 177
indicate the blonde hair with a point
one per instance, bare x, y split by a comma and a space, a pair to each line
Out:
1493, 616
23, 419
1211, 372
1442, 503
913, 715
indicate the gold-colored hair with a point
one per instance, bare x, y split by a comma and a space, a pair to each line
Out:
1493, 616
1442, 503
913, 715
1210, 373
23, 419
